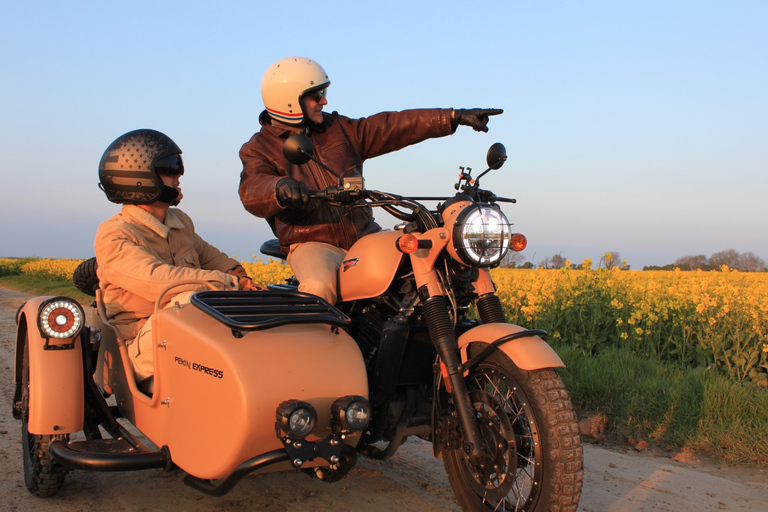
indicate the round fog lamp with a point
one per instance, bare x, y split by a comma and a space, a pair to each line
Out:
351, 412
296, 418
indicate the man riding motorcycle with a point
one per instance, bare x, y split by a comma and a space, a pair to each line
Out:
313, 234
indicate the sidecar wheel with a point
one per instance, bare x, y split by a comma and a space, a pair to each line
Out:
84, 277
527, 422
43, 477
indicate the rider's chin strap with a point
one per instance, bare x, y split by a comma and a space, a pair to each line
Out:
169, 195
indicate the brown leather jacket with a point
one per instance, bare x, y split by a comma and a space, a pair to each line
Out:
341, 143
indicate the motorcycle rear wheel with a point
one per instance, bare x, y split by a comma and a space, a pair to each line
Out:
43, 477
527, 422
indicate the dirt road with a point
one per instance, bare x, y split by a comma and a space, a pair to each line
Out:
614, 480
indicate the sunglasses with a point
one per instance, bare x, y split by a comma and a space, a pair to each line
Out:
171, 165
318, 95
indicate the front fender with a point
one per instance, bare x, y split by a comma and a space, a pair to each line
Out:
528, 353
56, 389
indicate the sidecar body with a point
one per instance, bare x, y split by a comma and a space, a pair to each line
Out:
230, 369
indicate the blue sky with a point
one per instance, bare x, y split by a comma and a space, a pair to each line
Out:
636, 127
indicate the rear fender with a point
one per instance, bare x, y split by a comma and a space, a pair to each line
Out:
56, 388
528, 353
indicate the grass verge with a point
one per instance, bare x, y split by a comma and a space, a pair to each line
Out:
40, 286
673, 407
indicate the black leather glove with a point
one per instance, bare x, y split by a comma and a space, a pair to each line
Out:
292, 193
477, 118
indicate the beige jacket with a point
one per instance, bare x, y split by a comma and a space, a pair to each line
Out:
139, 256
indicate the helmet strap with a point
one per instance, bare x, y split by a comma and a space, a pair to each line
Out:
169, 195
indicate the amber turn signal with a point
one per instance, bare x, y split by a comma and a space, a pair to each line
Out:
518, 242
409, 243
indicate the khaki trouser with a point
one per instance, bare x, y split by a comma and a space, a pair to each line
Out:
316, 266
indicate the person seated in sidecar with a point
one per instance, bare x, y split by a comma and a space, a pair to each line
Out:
313, 234
149, 245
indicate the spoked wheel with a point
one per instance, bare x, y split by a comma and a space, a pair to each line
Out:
42, 476
533, 456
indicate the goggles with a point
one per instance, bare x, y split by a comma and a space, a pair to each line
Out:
171, 165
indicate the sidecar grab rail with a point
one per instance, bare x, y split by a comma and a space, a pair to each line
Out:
256, 310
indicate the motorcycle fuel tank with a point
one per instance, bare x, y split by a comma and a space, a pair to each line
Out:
369, 267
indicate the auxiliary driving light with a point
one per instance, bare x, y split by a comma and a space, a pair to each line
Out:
297, 419
350, 413
60, 318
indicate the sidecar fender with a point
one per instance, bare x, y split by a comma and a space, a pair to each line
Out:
528, 353
56, 389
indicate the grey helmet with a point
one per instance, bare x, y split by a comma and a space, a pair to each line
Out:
128, 170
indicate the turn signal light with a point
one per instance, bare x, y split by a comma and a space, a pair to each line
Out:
409, 243
518, 242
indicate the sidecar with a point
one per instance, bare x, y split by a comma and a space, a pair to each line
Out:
244, 382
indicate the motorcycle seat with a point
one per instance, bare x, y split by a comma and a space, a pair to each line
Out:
272, 248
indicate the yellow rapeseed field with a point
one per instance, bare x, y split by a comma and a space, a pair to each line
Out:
717, 319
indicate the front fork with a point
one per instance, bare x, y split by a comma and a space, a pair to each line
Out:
442, 333
443, 337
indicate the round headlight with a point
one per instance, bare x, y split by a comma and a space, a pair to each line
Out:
481, 236
60, 318
295, 418
351, 412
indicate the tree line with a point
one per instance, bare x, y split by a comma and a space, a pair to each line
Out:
743, 262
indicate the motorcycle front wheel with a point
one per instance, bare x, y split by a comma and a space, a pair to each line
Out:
533, 456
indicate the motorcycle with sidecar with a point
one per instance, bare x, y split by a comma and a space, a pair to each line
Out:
279, 380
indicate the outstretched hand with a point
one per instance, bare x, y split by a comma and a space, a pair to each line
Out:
477, 118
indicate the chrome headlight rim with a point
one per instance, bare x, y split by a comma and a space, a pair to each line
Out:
60, 318
471, 232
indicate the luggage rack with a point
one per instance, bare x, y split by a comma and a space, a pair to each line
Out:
256, 310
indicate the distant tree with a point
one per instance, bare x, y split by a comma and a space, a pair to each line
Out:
512, 259
558, 261
611, 259
728, 257
527, 264
698, 262
750, 262
669, 266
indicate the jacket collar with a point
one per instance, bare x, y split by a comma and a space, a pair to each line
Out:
143, 217
283, 130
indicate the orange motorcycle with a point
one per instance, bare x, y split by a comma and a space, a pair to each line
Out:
280, 380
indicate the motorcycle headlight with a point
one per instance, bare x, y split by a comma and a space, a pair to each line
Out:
481, 236
60, 317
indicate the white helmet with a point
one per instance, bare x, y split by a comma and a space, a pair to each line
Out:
285, 82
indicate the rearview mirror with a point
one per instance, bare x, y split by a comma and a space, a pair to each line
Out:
497, 155
298, 149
